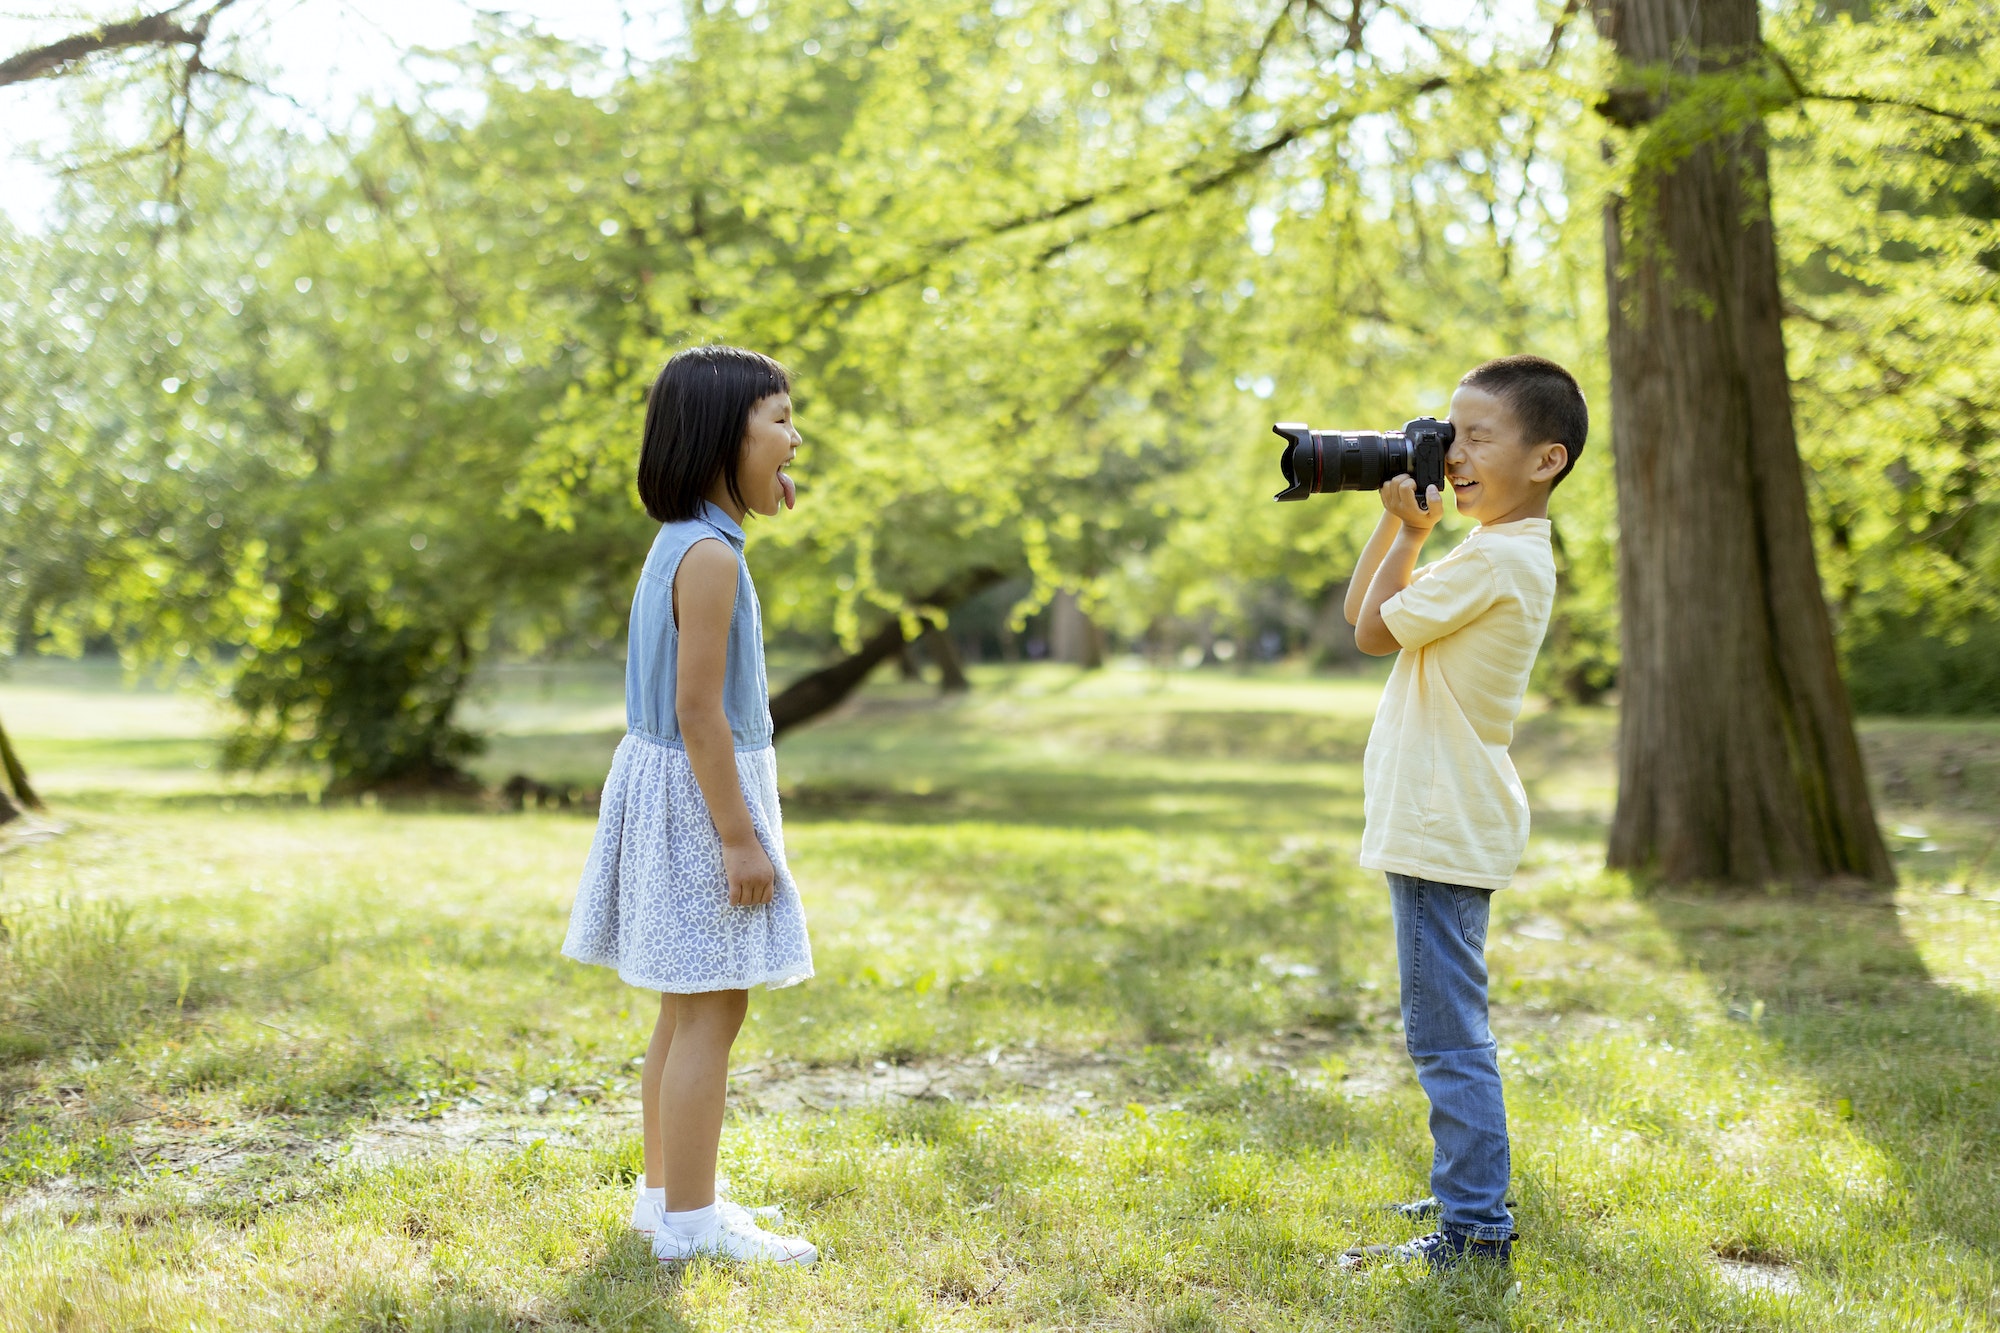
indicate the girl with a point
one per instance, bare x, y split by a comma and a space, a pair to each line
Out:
686, 891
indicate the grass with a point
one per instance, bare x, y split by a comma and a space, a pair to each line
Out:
1103, 1036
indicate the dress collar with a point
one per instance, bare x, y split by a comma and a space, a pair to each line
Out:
717, 517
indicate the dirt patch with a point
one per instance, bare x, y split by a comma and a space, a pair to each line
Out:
1759, 1279
254, 1160
27, 831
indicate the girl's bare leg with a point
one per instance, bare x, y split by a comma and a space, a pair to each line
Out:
694, 1080
649, 1091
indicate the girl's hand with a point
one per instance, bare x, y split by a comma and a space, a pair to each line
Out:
751, 875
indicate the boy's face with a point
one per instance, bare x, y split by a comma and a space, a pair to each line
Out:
1497, 475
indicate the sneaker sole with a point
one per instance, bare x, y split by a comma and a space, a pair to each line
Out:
680, 1260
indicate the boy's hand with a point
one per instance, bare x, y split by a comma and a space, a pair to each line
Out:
1399, 498
751, 875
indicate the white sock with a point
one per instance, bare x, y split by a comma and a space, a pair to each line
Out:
655, 1194
691, 1225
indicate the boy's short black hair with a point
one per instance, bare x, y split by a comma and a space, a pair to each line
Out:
696, 414
1545, 400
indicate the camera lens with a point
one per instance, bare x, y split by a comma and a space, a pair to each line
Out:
1316, 461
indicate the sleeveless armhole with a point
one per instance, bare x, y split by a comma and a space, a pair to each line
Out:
672, 580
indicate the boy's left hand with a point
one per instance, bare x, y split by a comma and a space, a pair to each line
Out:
1399, 497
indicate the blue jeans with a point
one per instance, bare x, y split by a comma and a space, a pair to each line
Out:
1441, 953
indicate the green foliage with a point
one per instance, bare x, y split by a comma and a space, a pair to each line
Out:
1906, 665
1888, 213
374, 702
338, 420
1018, 258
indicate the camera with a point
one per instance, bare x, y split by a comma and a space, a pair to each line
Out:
1333, 460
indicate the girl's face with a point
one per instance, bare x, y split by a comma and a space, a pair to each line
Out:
769, 443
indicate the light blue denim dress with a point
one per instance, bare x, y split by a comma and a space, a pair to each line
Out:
654, 902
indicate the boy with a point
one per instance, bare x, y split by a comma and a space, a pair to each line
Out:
1447, 818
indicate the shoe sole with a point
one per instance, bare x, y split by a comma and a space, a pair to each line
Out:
648, 1231
678, 1261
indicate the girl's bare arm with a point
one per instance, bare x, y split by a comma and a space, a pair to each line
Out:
704, 599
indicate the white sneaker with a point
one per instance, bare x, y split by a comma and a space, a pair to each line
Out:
741, 1241
646, 1213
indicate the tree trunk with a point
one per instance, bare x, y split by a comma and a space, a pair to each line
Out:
809, 696
951, 674
1737, 757
1073, 636
1331, 643
17, 778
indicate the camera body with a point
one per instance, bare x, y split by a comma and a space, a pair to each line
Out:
1315, 461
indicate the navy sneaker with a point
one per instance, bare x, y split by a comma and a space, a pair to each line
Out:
1443, 1249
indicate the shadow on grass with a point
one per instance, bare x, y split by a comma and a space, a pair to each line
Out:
1082, 799
624, 1288
1845, 992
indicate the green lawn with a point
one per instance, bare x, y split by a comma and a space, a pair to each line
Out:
1104, 1036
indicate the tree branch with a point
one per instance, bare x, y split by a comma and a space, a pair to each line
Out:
809, 696
158, 29
1863, 99
1256, 73
1569, 10
1805, 94
1245, 161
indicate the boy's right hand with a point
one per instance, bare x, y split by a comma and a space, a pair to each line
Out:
1399, 498
751, 874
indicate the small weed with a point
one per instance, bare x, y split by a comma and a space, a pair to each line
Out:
31, 1153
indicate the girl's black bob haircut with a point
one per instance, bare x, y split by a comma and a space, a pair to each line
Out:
696, 414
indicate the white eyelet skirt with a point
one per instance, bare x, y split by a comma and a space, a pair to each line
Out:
654, 902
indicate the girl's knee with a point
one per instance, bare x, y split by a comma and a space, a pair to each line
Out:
710, 1008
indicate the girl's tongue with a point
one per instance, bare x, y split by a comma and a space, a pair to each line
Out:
791, 491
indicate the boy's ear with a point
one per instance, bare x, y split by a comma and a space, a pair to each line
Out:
1550, 459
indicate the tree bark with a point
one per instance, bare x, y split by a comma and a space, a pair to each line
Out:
1737, 756
809, 696
951, 673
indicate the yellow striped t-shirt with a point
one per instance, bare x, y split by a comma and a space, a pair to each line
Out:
1440, 793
